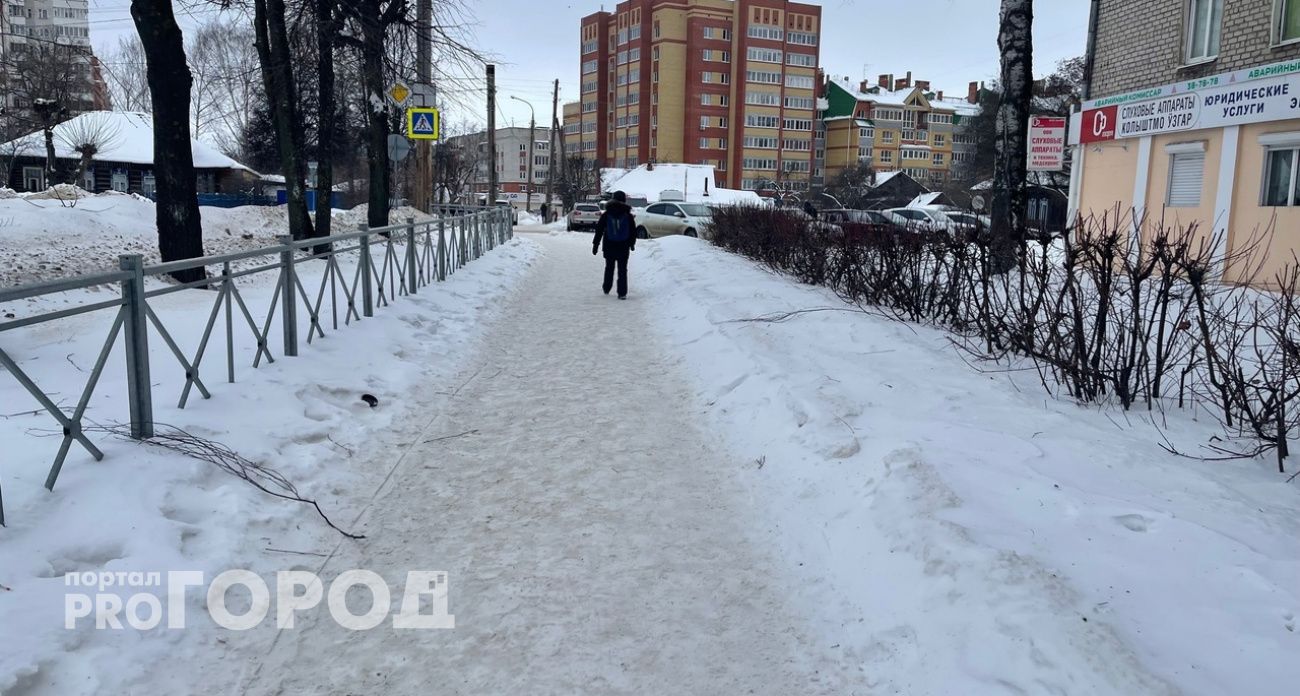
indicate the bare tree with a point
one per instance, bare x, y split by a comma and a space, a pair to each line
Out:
273, 50
180, 231
52, 81
1015, 39
124, 74
88, 135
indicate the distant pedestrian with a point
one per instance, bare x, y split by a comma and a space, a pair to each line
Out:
616, 229
546, 213
810, 209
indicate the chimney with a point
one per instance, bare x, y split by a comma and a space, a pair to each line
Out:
903, 82
862, 86
885, 81
924, 85
973, 93
940, 95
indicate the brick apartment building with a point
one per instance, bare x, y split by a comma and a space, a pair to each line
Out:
731, 83
512, 162
1192, 118
896, 124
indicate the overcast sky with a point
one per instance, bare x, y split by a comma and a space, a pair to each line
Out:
949, 42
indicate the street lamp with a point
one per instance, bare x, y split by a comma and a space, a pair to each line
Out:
532, 139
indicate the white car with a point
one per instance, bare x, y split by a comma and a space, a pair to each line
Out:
677, 217
514, 212
584, 216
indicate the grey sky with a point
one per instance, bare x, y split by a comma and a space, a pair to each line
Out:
949, 42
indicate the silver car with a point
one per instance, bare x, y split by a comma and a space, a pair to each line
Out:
674, 218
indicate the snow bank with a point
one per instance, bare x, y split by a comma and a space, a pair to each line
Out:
954, 532
144, 509
43, 237
688, 178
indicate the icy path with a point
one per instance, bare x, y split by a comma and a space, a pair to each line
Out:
595, 537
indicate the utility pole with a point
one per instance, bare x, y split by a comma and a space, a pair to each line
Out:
492, 133
532, 140
424, 75
555, 126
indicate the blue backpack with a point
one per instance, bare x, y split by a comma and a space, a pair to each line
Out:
619, 228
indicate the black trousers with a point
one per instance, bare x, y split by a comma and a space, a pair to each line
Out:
616, 259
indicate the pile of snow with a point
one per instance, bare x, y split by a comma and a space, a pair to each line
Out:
42, 237
59, 192
954, 532
7, 193
690, 179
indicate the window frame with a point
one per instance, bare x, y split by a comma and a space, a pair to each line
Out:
1189, 32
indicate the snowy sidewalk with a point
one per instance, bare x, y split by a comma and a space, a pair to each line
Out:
595, 539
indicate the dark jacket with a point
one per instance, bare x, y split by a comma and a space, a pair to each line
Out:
614, 249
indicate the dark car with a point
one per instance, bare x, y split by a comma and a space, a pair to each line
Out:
860, 224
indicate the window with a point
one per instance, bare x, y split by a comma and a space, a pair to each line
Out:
1186, 172
799, 81
763, 55
803, 60
756, 121
939, 140
866, 132
759, 163
886, 155
589, 46
119, 180
1204, 22
940, 118
888, 114
589, 67
758, 31
887, 136
798, 144
938, 159
704, 143
797, 124
761, 143
713, 54
762, 98
802, 38
763, 77
1280, 178
1288, 20
798, 102
800, 166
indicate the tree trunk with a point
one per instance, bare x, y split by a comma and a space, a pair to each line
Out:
372, 77
272, 41
328, 111
1015, 41
51, 163
180, 231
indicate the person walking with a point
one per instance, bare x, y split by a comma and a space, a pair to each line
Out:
615, 231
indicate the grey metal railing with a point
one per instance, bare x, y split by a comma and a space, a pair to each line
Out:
391, 261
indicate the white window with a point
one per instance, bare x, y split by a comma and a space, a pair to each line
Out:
866, 132
764, 55
758, 98
802, 38
939, 139
938, 159
1288, 20
589, 67
763, 77
797, 124
799, 81
803, 60
1204, 22
798, 102
761, 143
1186, 172
887, 136
704, 122
704, 143
886, 155
758, 31
756, 121
119, 180
888, 114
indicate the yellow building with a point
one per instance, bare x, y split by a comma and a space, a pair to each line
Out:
896, 124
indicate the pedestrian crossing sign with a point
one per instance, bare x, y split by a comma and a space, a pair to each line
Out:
422, 124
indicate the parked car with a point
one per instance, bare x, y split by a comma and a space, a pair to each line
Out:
664, 219
584, 216
514, 212
860, 223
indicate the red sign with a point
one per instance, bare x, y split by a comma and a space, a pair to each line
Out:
1099, 125
1047, 135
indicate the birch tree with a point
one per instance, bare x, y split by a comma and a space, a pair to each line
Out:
1015, 41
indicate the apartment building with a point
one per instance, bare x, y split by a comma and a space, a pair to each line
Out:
895, 124
63, 22
1192, 118
728, 83
512, 161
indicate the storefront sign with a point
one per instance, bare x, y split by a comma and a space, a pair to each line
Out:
1223, 103
1047, 143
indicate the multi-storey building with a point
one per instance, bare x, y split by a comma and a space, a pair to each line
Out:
896, 124
512, 161
59, 22
729, 83
1192, 120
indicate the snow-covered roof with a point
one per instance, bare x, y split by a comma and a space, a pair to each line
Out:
131, 141
882, 177
687, 178
925, 199
881, 95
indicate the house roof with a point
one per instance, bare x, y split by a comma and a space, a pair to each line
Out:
688, 178
131, 141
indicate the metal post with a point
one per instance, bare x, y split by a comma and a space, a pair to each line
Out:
367, 280
442, 249
230, 323
136, 326
411, 279
288, 297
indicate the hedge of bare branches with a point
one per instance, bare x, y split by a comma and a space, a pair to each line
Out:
1101, 318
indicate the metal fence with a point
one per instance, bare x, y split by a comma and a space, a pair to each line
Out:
390, 262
